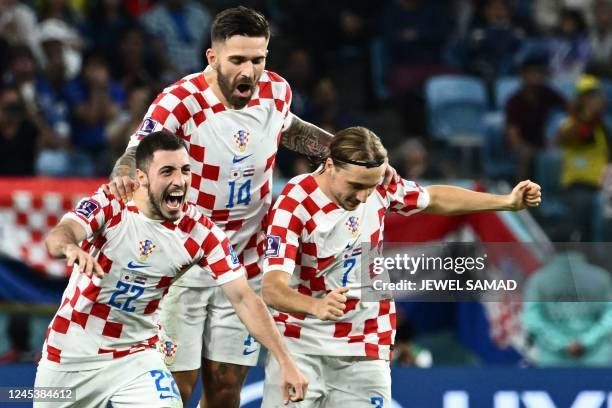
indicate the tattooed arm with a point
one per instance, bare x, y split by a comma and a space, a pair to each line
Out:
306, 138
123, 177
126, 164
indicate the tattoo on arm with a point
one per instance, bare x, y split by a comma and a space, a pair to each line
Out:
126, 165
306, 138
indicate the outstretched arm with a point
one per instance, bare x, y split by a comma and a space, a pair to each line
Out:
255, 316
450, 200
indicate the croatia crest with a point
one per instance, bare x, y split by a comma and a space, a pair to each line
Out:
241, 138
168, 350
353, 225
146, 247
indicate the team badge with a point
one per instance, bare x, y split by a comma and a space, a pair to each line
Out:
241, 138
146, 248
353, 225
168, 350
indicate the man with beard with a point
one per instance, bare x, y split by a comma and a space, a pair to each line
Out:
101, 342
232, 116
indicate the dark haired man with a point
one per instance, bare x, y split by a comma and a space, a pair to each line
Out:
319, 227
102, 339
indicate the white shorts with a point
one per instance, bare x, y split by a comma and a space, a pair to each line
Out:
191, 317
333, 382
140, 380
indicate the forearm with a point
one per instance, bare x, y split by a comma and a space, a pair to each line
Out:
255, 316
287, 300
451, 200
59, 239
126, 164
306, 138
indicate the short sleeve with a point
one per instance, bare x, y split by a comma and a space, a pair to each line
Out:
95, 212
405, 197
219, 256
283, 236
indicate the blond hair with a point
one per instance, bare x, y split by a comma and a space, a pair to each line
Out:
357, 144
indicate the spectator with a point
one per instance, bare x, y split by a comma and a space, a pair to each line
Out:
568, 312
413, 163
94, 101
18, 24
18, 136
601, 38
180, 29
547, 13
492, 45
569, 50
107, 19
527, 111
59, 40
326, 111
131, 65
585, 142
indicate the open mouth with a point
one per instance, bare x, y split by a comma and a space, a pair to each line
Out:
244, 90
174, 199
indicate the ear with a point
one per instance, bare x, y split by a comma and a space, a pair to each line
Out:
142, 178
211, 57
329, 164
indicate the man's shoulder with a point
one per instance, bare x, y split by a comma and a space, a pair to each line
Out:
271, 76
299, 186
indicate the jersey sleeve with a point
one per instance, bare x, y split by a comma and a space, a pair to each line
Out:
283, 236
95, 212
169, 111
405, 197
219, 256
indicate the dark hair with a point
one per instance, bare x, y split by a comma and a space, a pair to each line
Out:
577, 16
357, 145
155, 141
239, 21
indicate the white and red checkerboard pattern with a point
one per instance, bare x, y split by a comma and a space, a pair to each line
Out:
318, 244
231, 181
103, 319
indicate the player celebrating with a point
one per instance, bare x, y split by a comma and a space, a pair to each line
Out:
232, 116
102, 339
317, 228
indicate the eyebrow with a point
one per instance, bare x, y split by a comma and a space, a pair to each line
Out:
362, 186
243, 58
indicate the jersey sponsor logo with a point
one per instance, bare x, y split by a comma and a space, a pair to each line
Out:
241, 138
147, 126
232, 253
86, 208
238, 159
133, 265
353, 225
272, 246
146, 248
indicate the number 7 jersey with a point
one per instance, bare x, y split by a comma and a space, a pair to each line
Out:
101, 319
232, 155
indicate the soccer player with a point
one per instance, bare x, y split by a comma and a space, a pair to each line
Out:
102, 339
318, 227
232, 116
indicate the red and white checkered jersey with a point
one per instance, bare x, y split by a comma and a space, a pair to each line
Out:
103, 319
232, 156
320, 245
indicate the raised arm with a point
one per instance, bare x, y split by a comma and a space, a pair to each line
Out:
63, 242
255, 316
305, 138
451, 200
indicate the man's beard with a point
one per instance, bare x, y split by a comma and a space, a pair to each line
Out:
227, 89
155, 205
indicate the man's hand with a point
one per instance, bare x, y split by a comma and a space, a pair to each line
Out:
332, 306
293, 382
390, 175
525, 194
87, 264
121, 187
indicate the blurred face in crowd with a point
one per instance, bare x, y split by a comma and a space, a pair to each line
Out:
132, 45
96, 73
351, 185
602, 14
239, 62
534, 76
11, 110
23, 68
497, 12
593, 103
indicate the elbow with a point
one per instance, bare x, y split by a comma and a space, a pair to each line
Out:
269, 293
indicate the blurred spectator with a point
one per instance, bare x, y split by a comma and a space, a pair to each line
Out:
106, 20
298, 72
586, 147
120, 129
413, 163
18, 24
60, 41
527, 111
492, 45
415, 33
19, 333
326, 111
601, 38
547, 13
180, 29
131, 65
18, 136
568, 312
94, 100
59, 10
569, 50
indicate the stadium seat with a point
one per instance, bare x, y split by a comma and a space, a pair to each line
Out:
566, 88
548, 175
497, 161
504, 88
455, 107
606, 87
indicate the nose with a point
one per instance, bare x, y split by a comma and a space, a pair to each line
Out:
247, 69
363, 195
